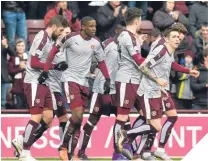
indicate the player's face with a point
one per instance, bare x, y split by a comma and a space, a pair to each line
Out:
90, 28
20, 48
204, 32
173, 39
57, 32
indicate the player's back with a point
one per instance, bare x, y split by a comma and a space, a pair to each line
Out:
79, 57
40, 47
128, 70
111, 50
159, 62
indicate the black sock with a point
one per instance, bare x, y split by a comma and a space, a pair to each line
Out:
41, 129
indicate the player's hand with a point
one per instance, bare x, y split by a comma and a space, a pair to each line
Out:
43, 76
164, 94
4, 42
22, 64
107, 86
194, 73
161, 82
61, 66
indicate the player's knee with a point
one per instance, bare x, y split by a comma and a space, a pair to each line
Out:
36, 118
93, 119
123, 118
48, 116
77, 121
63, 118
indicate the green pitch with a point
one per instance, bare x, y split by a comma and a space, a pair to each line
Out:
55, 159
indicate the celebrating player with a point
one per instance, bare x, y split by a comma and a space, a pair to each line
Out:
38, 95
80, 47
157, 65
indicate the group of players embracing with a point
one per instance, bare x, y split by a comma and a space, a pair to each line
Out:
59, 62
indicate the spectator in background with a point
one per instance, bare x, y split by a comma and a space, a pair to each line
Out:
108, 17
197, 16
167, 16
141, 5
200, 43
183, 88
15, 20
5, 80
182, 7
17, 65
199, 85
61, 9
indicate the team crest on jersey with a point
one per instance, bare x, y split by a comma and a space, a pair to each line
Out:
168, 105
154, 113
96, 109
59, 103
71, 97
92, 46
37, 101
126, 102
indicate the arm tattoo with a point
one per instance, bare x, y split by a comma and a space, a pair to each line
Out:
146, 71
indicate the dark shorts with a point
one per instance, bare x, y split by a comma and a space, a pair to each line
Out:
151, 107
76, 95
58, 104
101, 104
169, 103
38, 97
126, 97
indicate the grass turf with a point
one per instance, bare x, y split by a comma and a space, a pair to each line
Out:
92, 159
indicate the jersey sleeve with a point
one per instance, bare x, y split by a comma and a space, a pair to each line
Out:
39, 42
155, 56
99, 52
131, 45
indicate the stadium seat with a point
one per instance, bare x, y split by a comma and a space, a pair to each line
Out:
146, 26
34, 26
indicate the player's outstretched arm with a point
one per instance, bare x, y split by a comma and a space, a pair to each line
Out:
179, 68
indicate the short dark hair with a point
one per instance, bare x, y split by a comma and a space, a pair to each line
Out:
131, 14
86, 19
205, 52
155, 32
58, 21
205, 24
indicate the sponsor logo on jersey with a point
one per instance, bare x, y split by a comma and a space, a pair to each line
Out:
126, 102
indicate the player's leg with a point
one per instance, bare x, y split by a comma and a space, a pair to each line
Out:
77, 104
171, 113
125, 100
60, 111
95, 114
152, 127
41, 107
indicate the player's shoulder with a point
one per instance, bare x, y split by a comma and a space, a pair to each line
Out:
107, 42
72, 34
41, 38
160, 51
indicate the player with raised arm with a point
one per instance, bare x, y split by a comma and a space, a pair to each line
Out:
170, 110
80, 47
38, 95
128, 75
157, 65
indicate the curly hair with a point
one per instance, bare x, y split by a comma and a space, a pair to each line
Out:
131, 14
178, 27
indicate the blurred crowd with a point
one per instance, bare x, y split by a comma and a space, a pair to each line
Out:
188, 92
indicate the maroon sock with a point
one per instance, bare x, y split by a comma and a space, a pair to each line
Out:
75, 138
85, 137
166, 130
67, 136
29, 134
